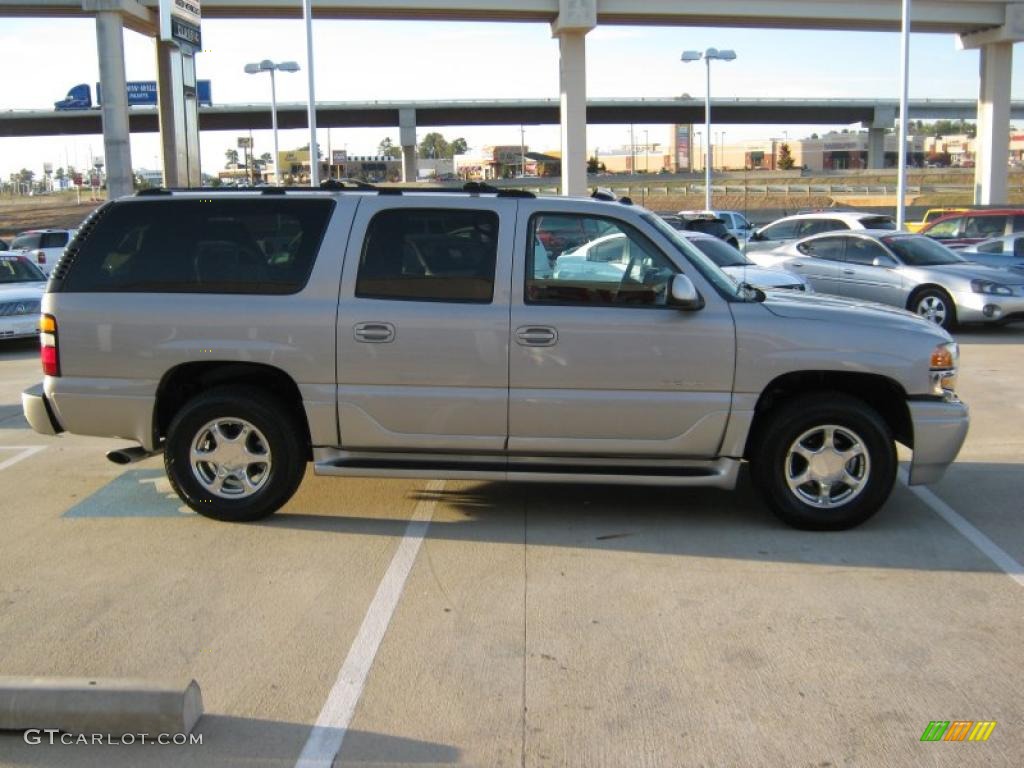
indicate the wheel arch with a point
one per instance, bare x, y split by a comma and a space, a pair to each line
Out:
884, 395
185, 381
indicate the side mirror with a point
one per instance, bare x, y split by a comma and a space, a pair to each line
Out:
756, 235
683, 294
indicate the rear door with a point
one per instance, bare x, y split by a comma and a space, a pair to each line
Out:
819, 262
423, 324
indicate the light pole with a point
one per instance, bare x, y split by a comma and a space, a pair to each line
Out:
268, 66
647, 153
721, 153
708, 55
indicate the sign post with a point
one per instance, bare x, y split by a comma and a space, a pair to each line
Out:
177, 97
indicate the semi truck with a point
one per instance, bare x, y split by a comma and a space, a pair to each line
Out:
140, 93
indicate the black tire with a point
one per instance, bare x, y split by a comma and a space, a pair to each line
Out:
772, 461
275, 428
937, 297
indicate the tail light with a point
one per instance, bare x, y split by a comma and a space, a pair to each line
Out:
48, 352
40, 257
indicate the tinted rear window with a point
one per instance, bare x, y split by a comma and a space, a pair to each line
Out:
261, 246
877, 222
25, 242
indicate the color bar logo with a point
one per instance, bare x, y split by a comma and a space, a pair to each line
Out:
958, 730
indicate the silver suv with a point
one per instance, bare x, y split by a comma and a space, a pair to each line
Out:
406, 333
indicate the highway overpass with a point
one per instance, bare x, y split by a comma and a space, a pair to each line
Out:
385, 114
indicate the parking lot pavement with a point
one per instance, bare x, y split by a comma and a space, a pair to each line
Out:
537, 625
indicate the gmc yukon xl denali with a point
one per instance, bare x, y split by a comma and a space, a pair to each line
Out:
455, 334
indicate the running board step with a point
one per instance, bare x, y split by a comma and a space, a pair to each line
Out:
720, 473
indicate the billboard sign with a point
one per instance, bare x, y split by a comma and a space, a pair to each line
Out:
683, 147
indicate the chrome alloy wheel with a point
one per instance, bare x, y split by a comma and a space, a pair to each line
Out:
230, 458
933, 309
827, 466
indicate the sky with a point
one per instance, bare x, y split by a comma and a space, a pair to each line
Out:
429, 60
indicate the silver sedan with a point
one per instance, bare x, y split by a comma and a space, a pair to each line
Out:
1006, 252
905, 270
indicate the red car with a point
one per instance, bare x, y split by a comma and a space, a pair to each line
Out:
958, 230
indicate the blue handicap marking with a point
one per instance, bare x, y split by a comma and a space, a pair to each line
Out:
134, 493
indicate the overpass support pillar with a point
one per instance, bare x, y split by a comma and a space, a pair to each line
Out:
179, 116
407, 138
114, 112
575, 19
876, 148
993, 140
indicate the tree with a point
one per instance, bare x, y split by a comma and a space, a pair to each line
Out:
59, 174
25, 175
785, 158
231, 156
593, 166
387, 148
434, 146
319, 151
458, 147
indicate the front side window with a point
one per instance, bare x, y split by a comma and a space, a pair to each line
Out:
992, 246
261, 246
864, 252
945, 230
429, 254
620, 267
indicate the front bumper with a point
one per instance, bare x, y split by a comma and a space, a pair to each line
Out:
38, 412
985, 308
940, 428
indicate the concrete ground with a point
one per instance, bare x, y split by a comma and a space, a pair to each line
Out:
538, 625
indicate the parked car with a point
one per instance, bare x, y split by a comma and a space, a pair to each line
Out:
735, 222
909, 271
741, 269
1006, 252
707, 222
792, 228
44, 245
959, 230
930, 215
21, 291
425, 334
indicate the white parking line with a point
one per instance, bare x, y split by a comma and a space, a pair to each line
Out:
26, 451
325, 739
1011, 567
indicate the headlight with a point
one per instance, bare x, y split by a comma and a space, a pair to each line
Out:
991, 288
943, 366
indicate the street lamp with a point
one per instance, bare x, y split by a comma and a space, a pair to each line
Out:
268, 66
708, 55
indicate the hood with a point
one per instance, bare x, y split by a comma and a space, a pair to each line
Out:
760, 277
833, 309
14, 291
977, 272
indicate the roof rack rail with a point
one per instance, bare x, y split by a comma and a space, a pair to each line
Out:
345, 185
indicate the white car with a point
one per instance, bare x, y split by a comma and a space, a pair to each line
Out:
44, 246
607, 257
742, 269
21, 291
792, 228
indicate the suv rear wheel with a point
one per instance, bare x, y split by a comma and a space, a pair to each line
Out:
232, 454
825, 462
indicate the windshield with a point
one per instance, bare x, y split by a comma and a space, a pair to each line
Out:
720, 252
725, 284
920, 251
14, 269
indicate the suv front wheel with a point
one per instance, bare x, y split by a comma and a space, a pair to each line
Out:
825, 462
232, 454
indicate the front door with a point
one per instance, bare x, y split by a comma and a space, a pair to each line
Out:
869, 272
599, 364
423, 325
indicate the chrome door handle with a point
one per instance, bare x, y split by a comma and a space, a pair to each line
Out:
374, 333
536, 336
